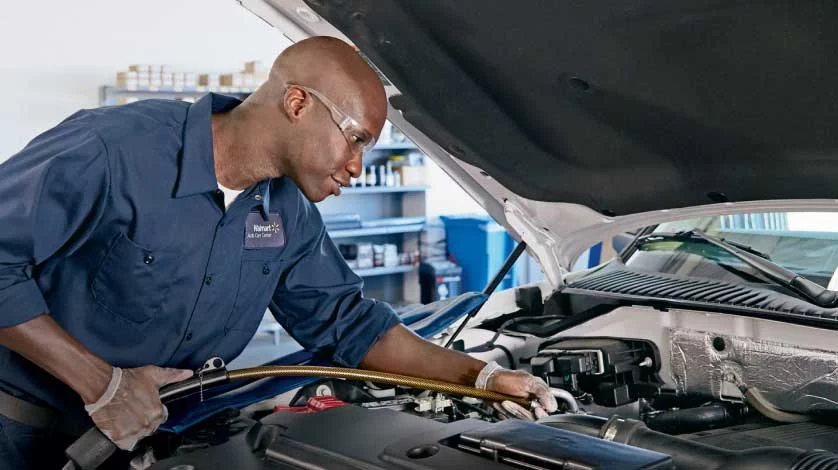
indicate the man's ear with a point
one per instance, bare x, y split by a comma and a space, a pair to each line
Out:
295, 104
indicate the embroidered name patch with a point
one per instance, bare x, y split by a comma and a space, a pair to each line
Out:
261, 233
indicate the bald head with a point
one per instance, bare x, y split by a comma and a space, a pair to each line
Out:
293, 131
336, 69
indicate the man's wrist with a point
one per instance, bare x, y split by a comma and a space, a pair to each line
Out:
109, 393
482, 380
95, 381
472, 370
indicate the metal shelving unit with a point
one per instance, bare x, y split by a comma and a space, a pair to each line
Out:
396, 146
375, 205
369, 231
383, 189
371, 272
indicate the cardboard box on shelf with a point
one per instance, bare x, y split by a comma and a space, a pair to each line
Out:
391, 255
231, 79
365, 256
378, 256
126, 80
209, 80
413, 175
248, 80
159, 76
253, 66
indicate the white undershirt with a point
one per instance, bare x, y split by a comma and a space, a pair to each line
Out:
230, 195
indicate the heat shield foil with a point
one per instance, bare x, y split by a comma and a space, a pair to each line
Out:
793, 378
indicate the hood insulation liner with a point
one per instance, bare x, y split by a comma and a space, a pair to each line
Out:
793, 378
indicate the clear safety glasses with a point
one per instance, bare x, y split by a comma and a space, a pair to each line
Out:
359, 139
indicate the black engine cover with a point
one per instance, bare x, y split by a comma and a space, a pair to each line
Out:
350, 437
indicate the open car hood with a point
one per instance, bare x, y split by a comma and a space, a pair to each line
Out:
570, 122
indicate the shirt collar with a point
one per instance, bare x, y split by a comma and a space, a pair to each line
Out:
264, 189
196, 174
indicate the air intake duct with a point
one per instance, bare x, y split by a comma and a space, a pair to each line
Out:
690, 455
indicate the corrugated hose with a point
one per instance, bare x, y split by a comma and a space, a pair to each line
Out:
373, 376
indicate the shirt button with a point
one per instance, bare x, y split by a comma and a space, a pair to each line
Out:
148, 259
266, 270
208, 280
189, 336
258, 197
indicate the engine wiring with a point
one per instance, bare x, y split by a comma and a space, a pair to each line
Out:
503, 329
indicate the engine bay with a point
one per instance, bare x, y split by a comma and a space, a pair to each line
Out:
638, 387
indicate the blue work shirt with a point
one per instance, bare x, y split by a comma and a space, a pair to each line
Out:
113, 224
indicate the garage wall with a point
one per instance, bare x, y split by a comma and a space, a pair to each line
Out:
446, 197
56, 53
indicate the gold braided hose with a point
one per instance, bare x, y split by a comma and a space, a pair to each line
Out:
373, 376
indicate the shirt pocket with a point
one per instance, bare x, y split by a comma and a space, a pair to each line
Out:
132, 281
258, 278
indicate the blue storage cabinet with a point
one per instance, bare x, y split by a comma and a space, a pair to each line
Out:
480, 246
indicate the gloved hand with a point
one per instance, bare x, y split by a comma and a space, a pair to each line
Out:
518, 384
130, 409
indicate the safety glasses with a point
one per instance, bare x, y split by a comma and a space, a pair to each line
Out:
359, 139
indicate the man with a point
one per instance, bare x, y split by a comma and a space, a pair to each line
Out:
119, 254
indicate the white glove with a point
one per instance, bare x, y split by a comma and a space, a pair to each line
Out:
130, 409
518, 384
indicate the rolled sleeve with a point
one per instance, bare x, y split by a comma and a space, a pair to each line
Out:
21, 302
319, 299
50, 195
369, 325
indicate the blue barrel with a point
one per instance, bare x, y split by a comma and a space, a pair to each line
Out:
480, 246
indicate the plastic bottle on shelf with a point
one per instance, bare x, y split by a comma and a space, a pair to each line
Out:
390, 180
371, 179
382, 175
378, 256
396, 162
362, 180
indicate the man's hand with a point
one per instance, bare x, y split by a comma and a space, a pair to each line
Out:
400, 351
518, 384
125, 410
130, 408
